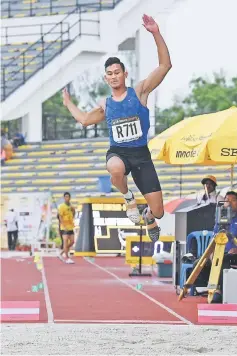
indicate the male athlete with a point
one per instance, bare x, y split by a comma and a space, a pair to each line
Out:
128, 121
66, 213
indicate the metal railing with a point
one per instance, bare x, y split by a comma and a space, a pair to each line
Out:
93, 132
24, 33
25, 58
52, 7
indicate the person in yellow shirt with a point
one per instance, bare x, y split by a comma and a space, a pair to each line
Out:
66, 213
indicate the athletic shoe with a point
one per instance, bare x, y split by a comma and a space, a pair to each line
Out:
132, 210
153, 229
61, 258
69, 261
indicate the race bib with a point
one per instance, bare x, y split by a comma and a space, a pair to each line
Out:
127, 129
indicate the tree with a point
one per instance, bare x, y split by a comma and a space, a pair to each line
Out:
168, 117
206, 97
58, 123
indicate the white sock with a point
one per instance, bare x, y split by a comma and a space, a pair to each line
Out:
128, 195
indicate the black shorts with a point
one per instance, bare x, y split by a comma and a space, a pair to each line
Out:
67, 232
137, 160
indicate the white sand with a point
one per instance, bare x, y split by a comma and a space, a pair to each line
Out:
97, 339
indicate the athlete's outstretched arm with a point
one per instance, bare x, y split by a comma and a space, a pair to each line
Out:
147, 85
92, 117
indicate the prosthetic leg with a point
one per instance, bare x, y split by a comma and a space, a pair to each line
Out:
217, 246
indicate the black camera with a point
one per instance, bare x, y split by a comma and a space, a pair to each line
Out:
223, 214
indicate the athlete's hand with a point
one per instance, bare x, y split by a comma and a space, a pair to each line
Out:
66, 97
150, 24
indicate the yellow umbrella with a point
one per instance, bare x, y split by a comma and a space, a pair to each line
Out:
157, 144
204, 139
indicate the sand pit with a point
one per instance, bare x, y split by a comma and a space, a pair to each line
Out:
97, 339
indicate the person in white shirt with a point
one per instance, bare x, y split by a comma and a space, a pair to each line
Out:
210, 195
11, 221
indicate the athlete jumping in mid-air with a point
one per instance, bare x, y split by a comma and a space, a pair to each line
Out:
128, 121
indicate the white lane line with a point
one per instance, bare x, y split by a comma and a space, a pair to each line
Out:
46, 296
172, 312
117, 321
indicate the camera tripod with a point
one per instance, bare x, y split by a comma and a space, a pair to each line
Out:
217, 246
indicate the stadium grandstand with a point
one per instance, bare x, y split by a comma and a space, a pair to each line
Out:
27, 8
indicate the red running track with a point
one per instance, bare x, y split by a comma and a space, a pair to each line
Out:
100, 291
18, 275
163, 292
83, 292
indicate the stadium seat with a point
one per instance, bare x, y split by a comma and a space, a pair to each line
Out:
201, 240
197, 242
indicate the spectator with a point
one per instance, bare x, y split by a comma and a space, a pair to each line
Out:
209, 195
6, 146
11, 222
4, 140
18, 139
3, 157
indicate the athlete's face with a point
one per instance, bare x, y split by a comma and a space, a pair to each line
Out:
115, 76
67, 199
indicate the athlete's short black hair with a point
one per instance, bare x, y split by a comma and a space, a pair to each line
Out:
66, 193
114, 60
